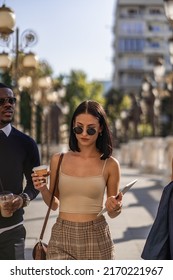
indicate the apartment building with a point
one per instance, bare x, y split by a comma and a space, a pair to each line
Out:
141, 32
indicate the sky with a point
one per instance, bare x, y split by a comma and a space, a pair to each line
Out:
72, 34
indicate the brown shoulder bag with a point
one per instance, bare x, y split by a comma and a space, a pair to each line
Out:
40, 248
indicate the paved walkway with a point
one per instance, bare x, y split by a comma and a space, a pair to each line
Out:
129, 230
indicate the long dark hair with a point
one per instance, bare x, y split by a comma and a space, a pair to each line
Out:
104, 141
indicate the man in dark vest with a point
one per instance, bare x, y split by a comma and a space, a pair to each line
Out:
18, 155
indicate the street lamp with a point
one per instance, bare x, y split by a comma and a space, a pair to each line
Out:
5, 61
44, 84
20, 62
7, 21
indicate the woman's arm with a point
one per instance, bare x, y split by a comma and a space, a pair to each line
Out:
113, 204
40, 183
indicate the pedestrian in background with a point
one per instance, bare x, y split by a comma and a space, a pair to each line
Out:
88, 170
18, 155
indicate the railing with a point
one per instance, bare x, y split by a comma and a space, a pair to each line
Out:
149, 155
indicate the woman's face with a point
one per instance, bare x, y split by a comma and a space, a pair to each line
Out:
87, 129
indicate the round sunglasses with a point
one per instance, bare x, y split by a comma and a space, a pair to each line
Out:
11, 100
79, 130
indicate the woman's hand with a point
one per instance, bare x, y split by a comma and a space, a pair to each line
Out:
114, 204
40, 182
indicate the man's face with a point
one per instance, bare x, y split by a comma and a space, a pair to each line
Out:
7, 105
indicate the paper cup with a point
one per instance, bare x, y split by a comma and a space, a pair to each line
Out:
40, 170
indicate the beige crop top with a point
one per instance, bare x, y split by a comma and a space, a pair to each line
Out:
82, 195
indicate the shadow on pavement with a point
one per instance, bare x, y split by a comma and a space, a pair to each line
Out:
148, 202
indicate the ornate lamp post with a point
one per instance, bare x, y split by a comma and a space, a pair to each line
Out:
28, 83
44, 84
19, 62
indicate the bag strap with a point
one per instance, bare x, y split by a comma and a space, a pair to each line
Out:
48, 211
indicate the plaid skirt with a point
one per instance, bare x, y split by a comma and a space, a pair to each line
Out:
80, 241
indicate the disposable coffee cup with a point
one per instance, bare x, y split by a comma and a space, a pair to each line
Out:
40, 170
5, 197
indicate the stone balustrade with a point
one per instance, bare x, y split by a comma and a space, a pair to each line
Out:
149, 155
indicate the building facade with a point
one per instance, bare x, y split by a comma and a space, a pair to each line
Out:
141, 32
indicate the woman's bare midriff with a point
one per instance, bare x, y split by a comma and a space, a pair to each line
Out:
75, 217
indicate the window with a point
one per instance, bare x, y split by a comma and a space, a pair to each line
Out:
135, 63
154, 11
132, 27
154, 44
132, 12
154, 28
131, 45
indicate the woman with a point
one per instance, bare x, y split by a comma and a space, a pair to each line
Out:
87, 171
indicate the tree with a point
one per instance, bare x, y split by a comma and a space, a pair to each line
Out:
25, 111
117, 107
113, 103
79, 89
112, 107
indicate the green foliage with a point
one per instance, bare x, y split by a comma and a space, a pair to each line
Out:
125, 103
44, 69
145, 129
25, 110
6, 79
78, 90
116, 102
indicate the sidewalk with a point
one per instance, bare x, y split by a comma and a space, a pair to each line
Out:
129, 230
